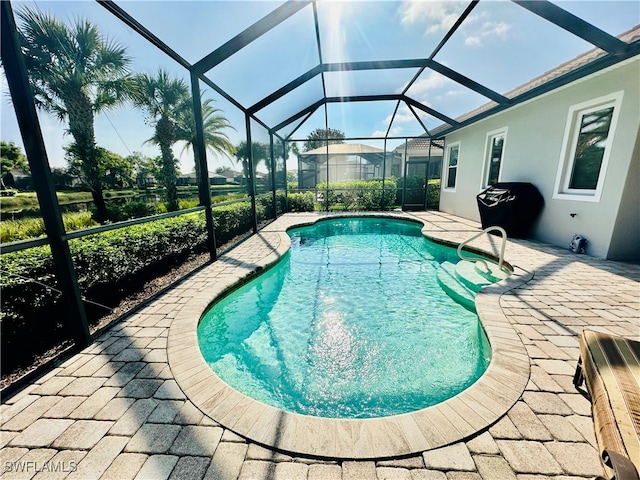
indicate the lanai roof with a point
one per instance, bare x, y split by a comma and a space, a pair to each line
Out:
317, 79
565, 72
369, 153
344, 149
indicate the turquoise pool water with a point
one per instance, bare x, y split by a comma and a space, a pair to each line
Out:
351, 323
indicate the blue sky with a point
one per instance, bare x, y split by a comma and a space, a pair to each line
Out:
501, 45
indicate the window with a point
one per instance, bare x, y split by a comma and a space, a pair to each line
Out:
452, 165
585, 149
493, 157
592, 139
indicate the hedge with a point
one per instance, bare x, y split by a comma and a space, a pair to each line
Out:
359, 194
104, 260
301, 202
31, 316
415, 191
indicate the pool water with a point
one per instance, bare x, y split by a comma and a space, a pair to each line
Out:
351, 323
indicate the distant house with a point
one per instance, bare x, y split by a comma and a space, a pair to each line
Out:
191, 180
420, 156
345, 161
17, 179
231, 175
240, 179
145, 181
348, 161
578, 144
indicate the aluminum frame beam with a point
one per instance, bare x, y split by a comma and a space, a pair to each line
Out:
589, 68
421, 63
250, 34
137, 27
27, 117
576, 25
429, 110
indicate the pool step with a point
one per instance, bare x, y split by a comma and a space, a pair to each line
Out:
493, 274
450, 283
467, 274
463, 280
474, 275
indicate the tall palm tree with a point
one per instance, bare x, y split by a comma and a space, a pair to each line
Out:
213, 122
163, 97
75, 73
259, 153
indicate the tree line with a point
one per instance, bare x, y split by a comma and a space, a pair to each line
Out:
76, 73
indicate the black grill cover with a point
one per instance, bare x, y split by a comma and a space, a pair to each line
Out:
513, 206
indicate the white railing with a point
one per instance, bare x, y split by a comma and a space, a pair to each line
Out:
475, 259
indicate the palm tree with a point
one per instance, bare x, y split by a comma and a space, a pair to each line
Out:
163, 97
259, 153
75, 73
215, 140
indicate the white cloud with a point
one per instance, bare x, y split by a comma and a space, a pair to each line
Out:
394, 132
404, 115
437, 16
426, 84
487, 30
451, 93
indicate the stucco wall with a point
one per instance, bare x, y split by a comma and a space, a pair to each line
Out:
532, 154
625, 242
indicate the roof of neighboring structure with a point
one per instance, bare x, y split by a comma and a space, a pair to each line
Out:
420, 143
344, 149
319, 155
211, 175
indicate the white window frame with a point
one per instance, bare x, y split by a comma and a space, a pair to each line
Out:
449, 167
487, 155
569, 144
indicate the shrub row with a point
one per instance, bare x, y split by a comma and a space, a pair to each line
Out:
32, 318
358, 194
104, 260
301, 202
100, 260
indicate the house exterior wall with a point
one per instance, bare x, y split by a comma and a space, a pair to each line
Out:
532, 153
625, 241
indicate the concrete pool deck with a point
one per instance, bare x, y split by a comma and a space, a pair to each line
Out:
117, 409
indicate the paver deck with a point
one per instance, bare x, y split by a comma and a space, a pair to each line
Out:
121, 409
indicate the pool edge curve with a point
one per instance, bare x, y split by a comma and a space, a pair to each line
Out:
472, 410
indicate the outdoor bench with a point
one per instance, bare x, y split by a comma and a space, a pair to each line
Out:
609, 365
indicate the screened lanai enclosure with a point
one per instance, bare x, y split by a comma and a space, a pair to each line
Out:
300, 105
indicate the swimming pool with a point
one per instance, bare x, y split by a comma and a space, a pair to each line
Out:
349, 324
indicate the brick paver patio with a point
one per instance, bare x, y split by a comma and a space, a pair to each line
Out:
115, 410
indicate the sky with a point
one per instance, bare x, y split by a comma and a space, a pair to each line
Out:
500, 45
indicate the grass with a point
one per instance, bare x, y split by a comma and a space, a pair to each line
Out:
29, 200
24, 200
33, 227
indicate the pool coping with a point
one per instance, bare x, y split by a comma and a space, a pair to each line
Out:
460, 417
